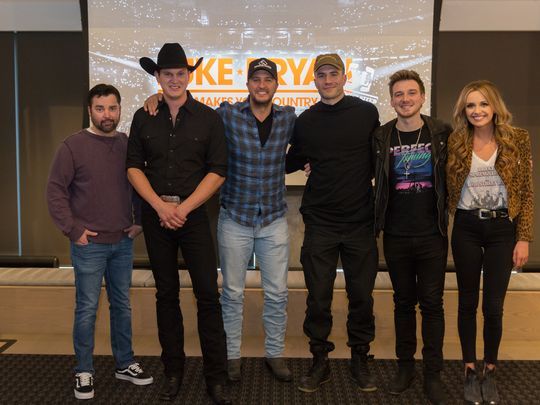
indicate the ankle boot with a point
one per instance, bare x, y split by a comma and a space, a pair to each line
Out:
360, 371
318, 374
401, 381
489, 387
434, 389
471, 388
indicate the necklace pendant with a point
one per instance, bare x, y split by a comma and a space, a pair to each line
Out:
407, 167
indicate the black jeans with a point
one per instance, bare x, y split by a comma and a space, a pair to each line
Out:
417, 268
488, 245
197, 246
319, 257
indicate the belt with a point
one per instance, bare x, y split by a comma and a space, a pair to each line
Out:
483, 213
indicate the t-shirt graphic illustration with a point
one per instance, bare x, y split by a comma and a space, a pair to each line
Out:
411, 204
483, 187
411, 164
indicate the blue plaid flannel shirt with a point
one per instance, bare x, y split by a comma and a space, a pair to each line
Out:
254, 191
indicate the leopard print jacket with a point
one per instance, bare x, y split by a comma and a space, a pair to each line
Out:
519, 185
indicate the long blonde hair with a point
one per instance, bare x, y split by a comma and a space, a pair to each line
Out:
460, 142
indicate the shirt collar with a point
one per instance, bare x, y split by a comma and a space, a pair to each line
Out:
190, 105
244, 105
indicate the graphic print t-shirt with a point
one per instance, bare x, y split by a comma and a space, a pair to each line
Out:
483, 187
412, 204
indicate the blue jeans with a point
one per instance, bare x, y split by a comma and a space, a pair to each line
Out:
271, 246
91, 263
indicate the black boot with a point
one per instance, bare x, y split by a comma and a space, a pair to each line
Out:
434, 389
360, 371
402, 380
218, 394
318, 374
170, 388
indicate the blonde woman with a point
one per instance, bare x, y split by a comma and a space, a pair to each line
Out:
489, 180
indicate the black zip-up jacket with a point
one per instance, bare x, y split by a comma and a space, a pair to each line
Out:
439, 132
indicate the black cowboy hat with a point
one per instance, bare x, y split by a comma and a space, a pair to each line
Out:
170, 56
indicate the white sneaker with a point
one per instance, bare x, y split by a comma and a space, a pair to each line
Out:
84, 386
135, 374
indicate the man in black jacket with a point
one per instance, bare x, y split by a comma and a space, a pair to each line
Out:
334, 137
410, 206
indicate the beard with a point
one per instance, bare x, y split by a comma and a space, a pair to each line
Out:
260, 102
106, 126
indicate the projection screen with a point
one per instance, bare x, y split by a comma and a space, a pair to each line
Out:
374, 38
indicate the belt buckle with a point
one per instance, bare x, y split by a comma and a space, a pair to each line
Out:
171, 199
490, 214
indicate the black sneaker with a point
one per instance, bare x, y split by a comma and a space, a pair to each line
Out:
489, 388
360, 372
471, 388
318, 374
135, 374
401, 381
84, 386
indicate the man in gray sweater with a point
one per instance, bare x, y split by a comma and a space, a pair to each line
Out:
90, 200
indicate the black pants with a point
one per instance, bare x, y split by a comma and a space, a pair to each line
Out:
478, 245
197, 246
319, 257
417, 269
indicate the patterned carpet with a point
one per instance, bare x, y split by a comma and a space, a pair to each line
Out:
47, 379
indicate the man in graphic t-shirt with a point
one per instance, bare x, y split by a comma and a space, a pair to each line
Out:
410, 197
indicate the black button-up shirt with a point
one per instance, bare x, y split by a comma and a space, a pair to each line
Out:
175, 157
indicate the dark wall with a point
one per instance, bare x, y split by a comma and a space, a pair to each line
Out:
9, 240
52, 89
511, 60
53, 83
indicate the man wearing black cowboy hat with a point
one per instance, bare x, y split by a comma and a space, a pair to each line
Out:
176, 161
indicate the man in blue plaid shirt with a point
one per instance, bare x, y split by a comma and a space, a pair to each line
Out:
252, 213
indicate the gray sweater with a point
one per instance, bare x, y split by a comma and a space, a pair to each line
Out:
88, 187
